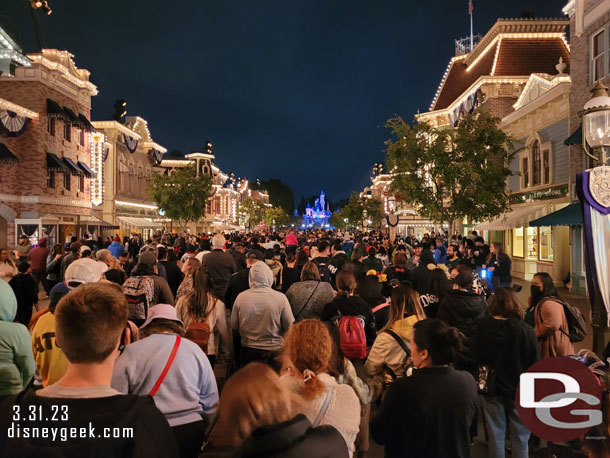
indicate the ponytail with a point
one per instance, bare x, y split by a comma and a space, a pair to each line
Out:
444, 343
312, 385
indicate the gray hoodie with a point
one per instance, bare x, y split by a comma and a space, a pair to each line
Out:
261, 315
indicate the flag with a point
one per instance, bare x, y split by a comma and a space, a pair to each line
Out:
470, 7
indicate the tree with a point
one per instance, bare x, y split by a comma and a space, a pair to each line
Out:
280, 195
275, 217
451, 173
182, 196
353, 211
251, 212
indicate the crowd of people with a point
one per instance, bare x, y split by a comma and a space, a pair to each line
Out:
279, 344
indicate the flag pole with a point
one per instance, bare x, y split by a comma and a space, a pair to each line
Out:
471, 33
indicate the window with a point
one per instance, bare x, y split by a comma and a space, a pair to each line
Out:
67, 181
598, 47
532, 242
81, 137
51, 126
50, 179
81, 183
546, 166
525, 171
546, 244
518, 242
67, 131
536, 163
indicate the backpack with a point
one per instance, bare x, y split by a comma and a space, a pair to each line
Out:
198, 331
140, 295
352, 338
577, 326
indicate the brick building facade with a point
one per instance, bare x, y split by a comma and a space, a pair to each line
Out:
48, 192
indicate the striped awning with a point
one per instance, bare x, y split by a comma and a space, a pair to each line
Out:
520, 216
6, 156
74, 169
88, 172
55, 164
138, 223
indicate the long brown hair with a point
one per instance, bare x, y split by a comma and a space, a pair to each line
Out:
346, 283
498, 250
505, 303
199, 305
404, 303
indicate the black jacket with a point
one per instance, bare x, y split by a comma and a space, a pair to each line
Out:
501, 265
238, 257
461, 309
427, 415
323, 267
174, 275
221, 266
151, 434
290, 275
238, 283
336, 264
509, 346
294, 439
348, 306
372, 263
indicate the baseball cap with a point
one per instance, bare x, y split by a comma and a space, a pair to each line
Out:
255, 254
84, 270
165, 311
147, 258
84, 248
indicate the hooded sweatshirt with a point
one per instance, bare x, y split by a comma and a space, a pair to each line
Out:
16, 361
261, 315
461, 309
387, 351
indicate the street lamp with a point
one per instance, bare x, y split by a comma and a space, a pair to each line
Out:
365, 215
596, 124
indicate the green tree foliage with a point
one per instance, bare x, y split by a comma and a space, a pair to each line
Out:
181, 196
275, 217
280, 195
251, 212
448, 174
353, 211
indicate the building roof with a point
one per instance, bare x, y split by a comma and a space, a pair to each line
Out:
511, 48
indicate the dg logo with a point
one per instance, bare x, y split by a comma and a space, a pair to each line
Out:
559, 399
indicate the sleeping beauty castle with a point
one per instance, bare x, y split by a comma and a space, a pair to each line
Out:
318, 215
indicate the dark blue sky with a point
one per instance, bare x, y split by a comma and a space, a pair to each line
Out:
295, 90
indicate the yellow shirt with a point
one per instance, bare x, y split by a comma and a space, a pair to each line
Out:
51, 362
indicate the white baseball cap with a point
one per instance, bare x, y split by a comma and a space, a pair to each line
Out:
84, 270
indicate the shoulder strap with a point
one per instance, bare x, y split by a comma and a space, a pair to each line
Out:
559, 301
401, 342
167, 366
324, 408
307, 301
379, 307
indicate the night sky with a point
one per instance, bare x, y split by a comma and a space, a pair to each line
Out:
295, 90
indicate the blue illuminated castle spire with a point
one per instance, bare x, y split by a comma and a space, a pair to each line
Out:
319, 214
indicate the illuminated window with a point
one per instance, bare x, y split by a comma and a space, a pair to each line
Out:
546, 244
518, 242
531, 240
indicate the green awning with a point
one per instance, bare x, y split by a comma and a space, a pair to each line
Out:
567, 216
575, 138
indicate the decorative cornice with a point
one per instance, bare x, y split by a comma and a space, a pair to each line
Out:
51, 200
109, 125
6, 105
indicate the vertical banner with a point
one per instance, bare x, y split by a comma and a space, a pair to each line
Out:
593, 188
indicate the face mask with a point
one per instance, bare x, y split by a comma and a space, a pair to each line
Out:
536, 294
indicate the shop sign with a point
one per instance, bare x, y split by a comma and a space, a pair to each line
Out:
541, 194
466, 106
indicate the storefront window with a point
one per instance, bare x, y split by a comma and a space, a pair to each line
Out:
546, 244
532, 242
518, 242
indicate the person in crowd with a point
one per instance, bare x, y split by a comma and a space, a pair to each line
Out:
309, 296
8, 269
147, 267
85, 252
382, 255
421, 274
413, 261
187, 394
370, 289
90, 242
479, 254
260, 317
322, 261
51, 362
202, 305
397, 271
337, 260
433, 293
85, 392
220, 265
499, 264
291, 273
276, 267
126, 264
550, 322
114, 273
26, 291
440, 251
462, 307
73, 255
23, 248
346, 304
174, 274
188, 269
257, 418
238, 251
505, 346
307, 353
38, 263
453, 257
430, 412
371, 261
205, 247
388, 358
240, 281
54, 266
117, 248
16, 361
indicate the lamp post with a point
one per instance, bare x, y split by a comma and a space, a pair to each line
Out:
365, 215
596, 137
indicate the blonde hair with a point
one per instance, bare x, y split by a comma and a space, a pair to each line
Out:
252, 398
309, 347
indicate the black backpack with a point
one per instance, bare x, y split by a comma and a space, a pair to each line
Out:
577, 326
